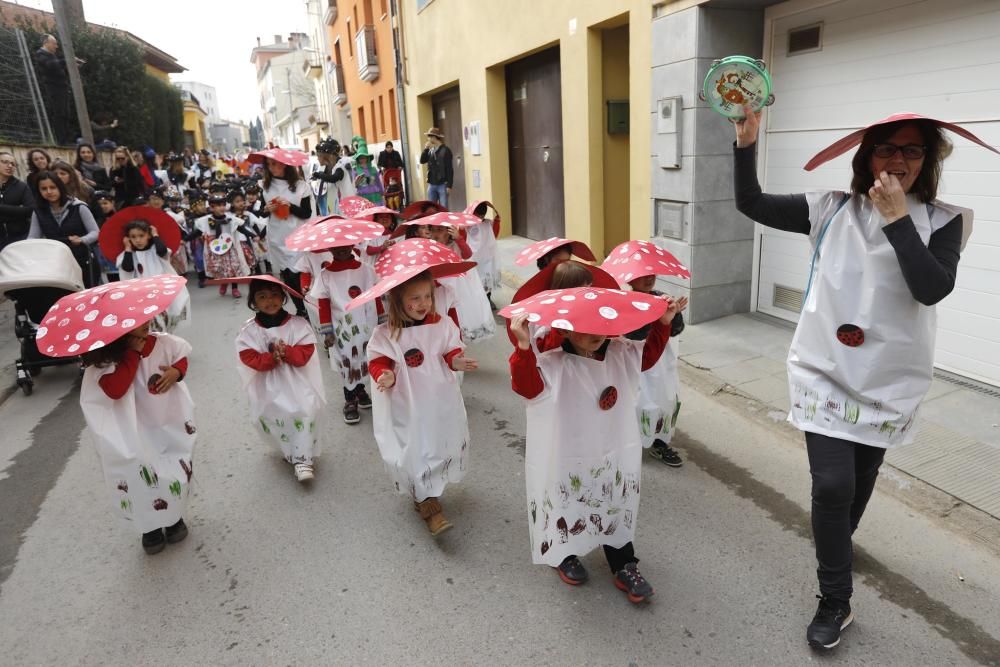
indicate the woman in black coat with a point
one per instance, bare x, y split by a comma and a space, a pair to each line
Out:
126, 179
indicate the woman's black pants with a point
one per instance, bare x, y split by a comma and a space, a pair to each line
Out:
843, 478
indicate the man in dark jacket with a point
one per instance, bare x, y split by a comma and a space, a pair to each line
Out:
51, 71
440, 174
16, 203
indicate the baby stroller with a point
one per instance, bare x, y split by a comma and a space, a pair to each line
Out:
34, 274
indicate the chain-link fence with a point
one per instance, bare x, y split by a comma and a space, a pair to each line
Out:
23, 115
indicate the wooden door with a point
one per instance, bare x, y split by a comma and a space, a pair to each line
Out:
447, 107
535, 145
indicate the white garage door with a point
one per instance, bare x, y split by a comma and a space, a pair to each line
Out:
935, 57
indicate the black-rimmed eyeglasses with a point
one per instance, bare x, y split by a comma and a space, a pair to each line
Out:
909, 151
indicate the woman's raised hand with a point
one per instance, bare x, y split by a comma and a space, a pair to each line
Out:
747, 128
888, 196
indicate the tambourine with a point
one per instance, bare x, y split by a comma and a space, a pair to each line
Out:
734, 82
221, 245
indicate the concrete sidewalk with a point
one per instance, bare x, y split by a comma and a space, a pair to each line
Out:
957, 448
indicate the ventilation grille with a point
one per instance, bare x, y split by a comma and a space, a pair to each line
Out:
967, 383
805, 39
787, 298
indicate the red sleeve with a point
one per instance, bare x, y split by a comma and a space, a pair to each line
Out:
375, 249
463, 248
448, 356
379, 365
116, 383
325, 316
656, 342
549, 341
525, 379
453, 314
259, 361
305, 280
379, 307
299, 355
182, 366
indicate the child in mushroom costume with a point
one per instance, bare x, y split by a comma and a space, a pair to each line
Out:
133, 397
637, 264
219, 233
418, 414
281, 374
482, 239
584, 454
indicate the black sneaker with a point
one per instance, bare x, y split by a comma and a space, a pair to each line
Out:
662, 451
364, 400
176, 532
831, 618
633, 584
351, 414
572, 571
153, 542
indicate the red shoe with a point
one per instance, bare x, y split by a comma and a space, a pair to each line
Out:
236, 292
222, 289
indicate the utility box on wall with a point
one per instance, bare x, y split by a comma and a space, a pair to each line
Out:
618, 117
668, 126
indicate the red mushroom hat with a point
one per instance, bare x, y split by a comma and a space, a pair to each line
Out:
290, 157
540, 248
113, 230
635, 259
446, 219
853, 139
592, 310
471, 210
371, 212
333, 233
413, 252
353, 206
417, 208
87, 320
442, 270
246, 280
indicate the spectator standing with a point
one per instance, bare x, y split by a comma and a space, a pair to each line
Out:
51, 71
16, 202
440, 173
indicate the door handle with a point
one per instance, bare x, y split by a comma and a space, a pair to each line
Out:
545, 147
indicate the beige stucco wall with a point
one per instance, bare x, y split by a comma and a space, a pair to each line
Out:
468, 43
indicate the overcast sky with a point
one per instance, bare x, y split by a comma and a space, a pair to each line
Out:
211, 38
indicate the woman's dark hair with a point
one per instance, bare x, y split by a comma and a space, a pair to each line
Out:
291, 175
545, 259
260, 286
32, 169
50, 176
938, 147
79, 160
111, 353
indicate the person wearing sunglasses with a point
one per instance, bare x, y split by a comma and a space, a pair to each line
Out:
16, 202
884, 253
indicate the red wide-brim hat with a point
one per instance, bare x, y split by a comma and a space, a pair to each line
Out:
591, 310
841, 146
370, 213
113, 229
353, 206
540, 248
90, 319
416, 208
445, 219
635, 259
413, 252
246, 280
292, 158
332, 233
443, 270
471, 208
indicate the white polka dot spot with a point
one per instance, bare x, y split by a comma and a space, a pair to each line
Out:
640, 305
607, 312
95, 345
82, 334
40, 332
73, 348
562, 324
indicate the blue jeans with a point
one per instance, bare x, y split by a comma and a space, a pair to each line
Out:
321, 204
438, 193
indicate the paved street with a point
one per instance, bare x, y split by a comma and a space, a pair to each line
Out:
344, 572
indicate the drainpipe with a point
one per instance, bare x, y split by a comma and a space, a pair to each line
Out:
397, 49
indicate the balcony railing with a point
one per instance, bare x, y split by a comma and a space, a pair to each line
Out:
364, 46
337, 89
330, 14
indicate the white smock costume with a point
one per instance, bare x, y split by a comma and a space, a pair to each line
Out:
420, 422
659, 401
146, 264
484, 253
284, 401
145, 440
475, 317
282, 258
342, 188
583, 457
862, 356
312, 263
352, 330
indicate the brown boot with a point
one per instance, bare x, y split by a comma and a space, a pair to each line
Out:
430, 512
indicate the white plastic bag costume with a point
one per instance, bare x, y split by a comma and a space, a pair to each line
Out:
862, 356
312, 263
285, 401
420, 422
584, 455
659, 402
484, 253
352, 330
146, 263
342, 188
473, 308
145, 440
282, 258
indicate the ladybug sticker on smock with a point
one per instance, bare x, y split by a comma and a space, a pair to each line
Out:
413, 357
608, 398
850, 335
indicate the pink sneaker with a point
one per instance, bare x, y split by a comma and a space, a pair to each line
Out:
236, 292
222, 289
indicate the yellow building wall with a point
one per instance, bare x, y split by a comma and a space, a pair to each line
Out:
194, 121
159, 74
482, 37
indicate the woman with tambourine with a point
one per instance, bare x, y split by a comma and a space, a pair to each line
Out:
861, 361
